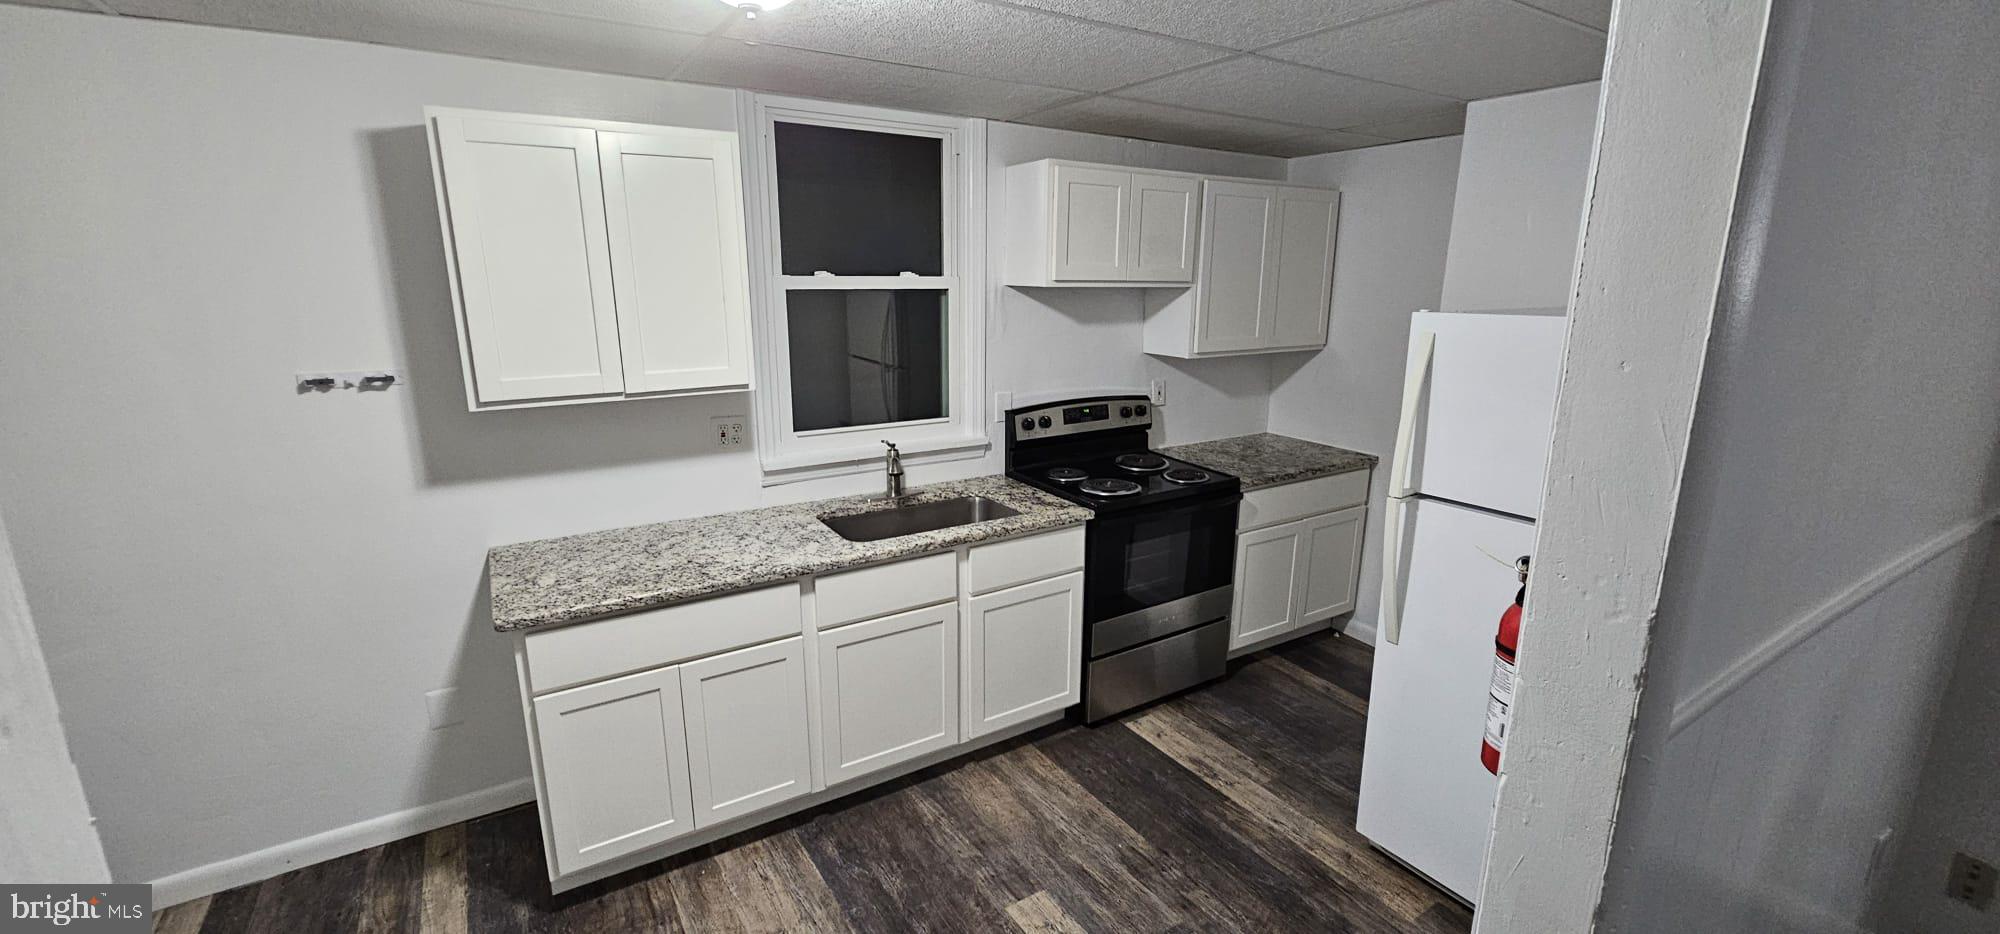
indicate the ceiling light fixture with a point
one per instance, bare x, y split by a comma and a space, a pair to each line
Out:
751, 8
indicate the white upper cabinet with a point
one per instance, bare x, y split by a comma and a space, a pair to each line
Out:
1076, 224
677, 259
1264, 279
591, 261
525, 215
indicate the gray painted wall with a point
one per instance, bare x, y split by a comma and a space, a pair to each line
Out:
1395, 220
1842, 468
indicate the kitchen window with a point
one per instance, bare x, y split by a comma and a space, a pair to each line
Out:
867, 240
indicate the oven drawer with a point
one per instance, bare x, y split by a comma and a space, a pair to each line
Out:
1120, 682
1020, 560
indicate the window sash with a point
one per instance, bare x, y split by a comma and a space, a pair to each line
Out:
789, 455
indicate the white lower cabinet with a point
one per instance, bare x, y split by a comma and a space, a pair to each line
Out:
888, 690
1299, 562
1267, 569
615, 767
746, 730
1024, 653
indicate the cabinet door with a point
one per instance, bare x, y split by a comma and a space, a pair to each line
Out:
1090, 217
675, 210
1332, 546
1308, 222
528, 238
1233, 308
1164, 210
888, 690
1267, 567
746, 729
1024, 653
615, 766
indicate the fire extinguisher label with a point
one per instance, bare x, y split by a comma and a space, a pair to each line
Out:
1500, 704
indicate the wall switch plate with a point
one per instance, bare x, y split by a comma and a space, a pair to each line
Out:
1002, 401
727, 430
442, 705
1158, 392
1971, 881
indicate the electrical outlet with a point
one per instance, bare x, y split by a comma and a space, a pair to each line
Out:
1971, 880
442, 704
728, 430
1002, 401
1158, 392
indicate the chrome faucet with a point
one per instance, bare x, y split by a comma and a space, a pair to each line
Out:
894, 463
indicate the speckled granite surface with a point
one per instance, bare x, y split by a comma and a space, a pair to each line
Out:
577, 577
1266, 459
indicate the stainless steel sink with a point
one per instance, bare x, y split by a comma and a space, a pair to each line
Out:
911, 518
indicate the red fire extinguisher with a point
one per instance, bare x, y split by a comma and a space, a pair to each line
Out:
1500, 697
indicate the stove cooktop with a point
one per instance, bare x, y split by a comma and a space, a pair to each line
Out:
1126, 479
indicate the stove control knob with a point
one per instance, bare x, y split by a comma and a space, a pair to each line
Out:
1140, 410
1043, 421
1124, 411
1027, 424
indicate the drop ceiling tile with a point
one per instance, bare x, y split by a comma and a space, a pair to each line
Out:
1592, 12
1469, 49
1112, 116
696, 16
1448, 122
1271, 90
1315, 142
970, 37
1242, 24
483, 30
806, 73
84, 5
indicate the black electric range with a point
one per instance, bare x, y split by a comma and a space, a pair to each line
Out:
1160, 551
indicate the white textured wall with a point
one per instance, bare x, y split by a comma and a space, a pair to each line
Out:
1844, 459
1520, 200
245, 593
1395, 219
45, 823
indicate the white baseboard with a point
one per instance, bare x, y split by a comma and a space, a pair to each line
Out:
1358, 629
223, 875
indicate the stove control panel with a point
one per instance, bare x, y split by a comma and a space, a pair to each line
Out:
1080, 416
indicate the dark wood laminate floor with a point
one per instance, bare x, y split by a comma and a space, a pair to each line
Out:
1231, 808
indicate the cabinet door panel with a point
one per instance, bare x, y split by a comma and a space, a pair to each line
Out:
1024, 653
888, 690
1090, 220
675, 215
1267, 564
1308, 221
1233, 308
528, 235
746, 730
614, 762
1164, 209
1332, 544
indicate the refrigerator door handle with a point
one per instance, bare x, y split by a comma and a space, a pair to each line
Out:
1414, 376
1392, 572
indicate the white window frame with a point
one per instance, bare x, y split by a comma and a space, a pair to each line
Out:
789, 455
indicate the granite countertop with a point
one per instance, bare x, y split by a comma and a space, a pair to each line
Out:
1265, 459
578, 577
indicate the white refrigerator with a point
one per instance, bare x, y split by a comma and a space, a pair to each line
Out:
1465, 486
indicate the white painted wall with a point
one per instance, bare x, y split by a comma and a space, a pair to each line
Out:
1056, 340
1843, 467
1678, 82
45, 823
1956, 809
248, 591
1520, 200
1395, 220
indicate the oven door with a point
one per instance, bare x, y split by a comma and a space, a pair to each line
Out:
1152, 572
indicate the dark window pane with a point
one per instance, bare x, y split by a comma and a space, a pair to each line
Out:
866, 356
856, 203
